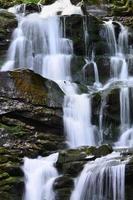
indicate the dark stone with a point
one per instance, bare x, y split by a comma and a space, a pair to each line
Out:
63, 182
8, 23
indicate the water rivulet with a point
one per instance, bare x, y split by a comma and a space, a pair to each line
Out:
42, 43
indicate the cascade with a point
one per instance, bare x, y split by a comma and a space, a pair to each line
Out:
88, 61
77, 120
39, 43
40, 174
103, 104
101, 179
119, 68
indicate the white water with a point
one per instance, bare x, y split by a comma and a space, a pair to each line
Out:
119, 69
101, 179
40, 174
77, 121
88, 61
103, 104
126, 139
39, 44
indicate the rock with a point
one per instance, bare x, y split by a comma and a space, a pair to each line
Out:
11, 188
47, 2
123, 9
71, 161
63, 187
7, 4
8, 23
30, 96
74, 29
63, 182
63, 193
32, 7
30, 114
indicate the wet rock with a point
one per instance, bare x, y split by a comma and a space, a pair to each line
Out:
72, 161
11, 188
75, 27
32, 7
63, 182
8, 23
63, 193
27, 96
63, 187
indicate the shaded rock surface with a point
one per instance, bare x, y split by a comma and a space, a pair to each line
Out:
30, 125
8, 23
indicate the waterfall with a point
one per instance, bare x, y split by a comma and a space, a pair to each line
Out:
40, 174
119, 68
77, 120
110, 36
86, 35
103, 104
39, 44
101, 179
124, 109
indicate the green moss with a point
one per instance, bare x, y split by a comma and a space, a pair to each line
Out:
15, 130
11, 180
3, 150
4, 176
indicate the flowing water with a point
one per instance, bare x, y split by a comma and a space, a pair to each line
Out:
119, 69
39, 43
102, 179
40, 174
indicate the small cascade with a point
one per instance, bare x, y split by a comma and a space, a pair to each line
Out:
110, 36
101, 179
124, 109
77, 121
88, 61
18, 10
86, 35
126, 139
40, 174
119, 68
103, 104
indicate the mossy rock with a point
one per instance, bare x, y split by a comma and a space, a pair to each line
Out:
3, 150
73, 169
8, 23
11, 188
11, 180
4, 176
30, 87
6, 4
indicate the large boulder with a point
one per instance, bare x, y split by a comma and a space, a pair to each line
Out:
30, 105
